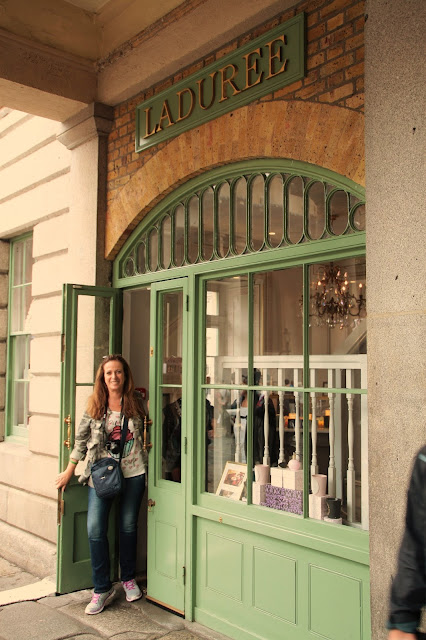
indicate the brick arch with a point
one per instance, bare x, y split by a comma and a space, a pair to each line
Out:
328, 136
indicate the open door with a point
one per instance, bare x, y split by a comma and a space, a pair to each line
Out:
91, 328
167, 466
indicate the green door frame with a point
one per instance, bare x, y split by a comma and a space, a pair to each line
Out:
73, 566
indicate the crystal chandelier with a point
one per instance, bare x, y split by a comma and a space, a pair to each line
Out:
332, 303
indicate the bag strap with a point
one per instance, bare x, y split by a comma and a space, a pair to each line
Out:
123, 436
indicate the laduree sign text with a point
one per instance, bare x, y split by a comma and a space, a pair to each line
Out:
268, 63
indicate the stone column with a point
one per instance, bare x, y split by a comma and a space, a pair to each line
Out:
86, 135
395, 143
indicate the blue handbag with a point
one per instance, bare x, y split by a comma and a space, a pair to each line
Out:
107, 476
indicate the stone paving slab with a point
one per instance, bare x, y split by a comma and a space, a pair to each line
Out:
33, 621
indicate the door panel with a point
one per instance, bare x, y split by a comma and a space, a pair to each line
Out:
166, 482
91, 328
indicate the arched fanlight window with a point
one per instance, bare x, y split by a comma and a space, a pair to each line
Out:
242, 211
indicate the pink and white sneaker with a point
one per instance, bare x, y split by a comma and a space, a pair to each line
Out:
132, 590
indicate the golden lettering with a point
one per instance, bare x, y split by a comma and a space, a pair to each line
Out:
229, 81
148, 124
201, 91
276, 56
180, 95
252, 66
165, 115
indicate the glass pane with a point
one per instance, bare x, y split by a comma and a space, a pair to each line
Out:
258, 212
166, 242
171, 434
18, 259
179, 239
316, 210
275, 211
21, 357
224, 475
153, 249
16, 315
295, 210
277, 324
141, 257
359, 218
28, 259
27, 294
193, 230
336, 457
172, 311
129, 266
338, 212
226, 330
20, 404
92, 336
207, 224
240, 215
223, 220
338, 301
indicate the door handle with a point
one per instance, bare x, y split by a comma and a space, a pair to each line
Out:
151, 503
67, 442
146, 445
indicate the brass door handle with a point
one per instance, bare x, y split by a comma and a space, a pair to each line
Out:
146, 445
67, 442
151, 503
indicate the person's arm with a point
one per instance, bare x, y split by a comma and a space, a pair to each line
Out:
409, 587
78, 453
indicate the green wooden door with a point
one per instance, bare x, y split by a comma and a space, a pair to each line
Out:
91, 328
166, 482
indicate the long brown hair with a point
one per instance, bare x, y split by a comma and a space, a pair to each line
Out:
98, 401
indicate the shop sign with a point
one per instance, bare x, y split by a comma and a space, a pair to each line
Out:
268, 63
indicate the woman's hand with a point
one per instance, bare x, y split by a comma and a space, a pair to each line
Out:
63, 478
396, 634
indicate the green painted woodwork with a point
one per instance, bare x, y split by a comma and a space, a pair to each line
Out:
274, 590
74, 568
251, 572
260, 67
166, 519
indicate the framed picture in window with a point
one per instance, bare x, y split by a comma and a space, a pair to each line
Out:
233, 481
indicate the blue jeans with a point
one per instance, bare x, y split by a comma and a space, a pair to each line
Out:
97, 529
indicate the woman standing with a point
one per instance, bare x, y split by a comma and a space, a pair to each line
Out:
98, 435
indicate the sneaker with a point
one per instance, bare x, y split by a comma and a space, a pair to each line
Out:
132, 590
99, 602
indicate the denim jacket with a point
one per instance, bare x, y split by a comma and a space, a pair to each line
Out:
91, 438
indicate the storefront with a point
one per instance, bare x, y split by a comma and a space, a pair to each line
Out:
216, 164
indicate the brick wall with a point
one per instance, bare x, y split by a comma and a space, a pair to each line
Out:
334, 75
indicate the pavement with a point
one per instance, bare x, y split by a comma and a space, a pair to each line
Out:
31, 610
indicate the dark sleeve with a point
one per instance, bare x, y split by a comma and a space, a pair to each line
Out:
408, 593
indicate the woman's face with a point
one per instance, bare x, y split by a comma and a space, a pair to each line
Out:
114, 376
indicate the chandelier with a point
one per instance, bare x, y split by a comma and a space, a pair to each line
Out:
332, 303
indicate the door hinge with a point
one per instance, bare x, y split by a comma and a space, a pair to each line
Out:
185, 444
184, 574
61, 507
187, 303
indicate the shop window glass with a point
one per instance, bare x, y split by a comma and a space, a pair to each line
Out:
316, 210
295, 210
227, 345
257, 216
153, 249
338, 212
141, 258
207, 217
179, 236
240, 215
223, 220
193, 226
19, 335
166, 242
275, 211
359, 218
